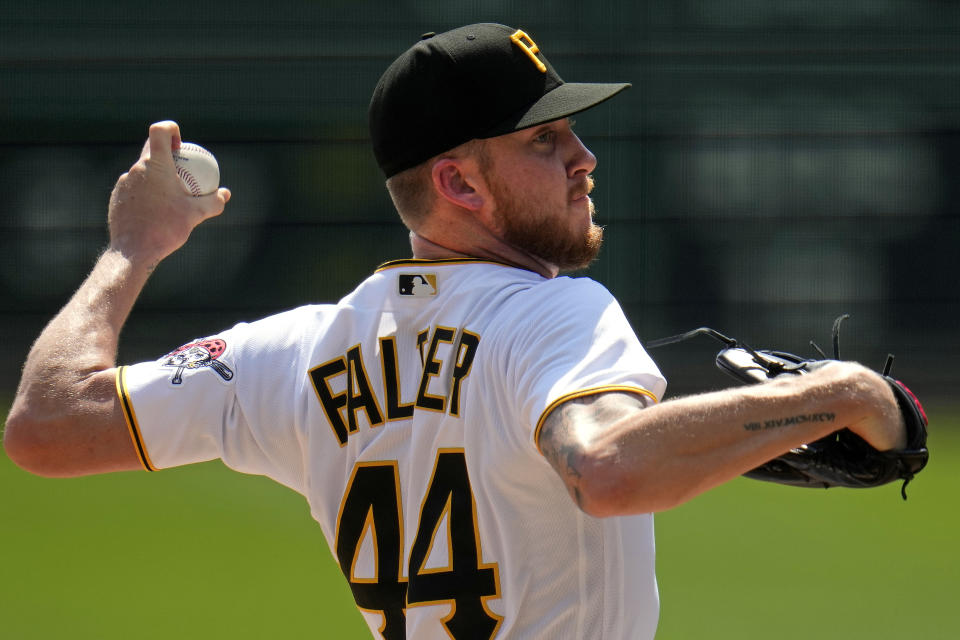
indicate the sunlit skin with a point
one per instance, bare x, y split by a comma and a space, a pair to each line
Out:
520, 198
540, 181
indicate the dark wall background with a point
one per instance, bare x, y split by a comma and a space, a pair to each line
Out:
775, 164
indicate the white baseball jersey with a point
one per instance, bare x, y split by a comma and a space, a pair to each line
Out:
407, 415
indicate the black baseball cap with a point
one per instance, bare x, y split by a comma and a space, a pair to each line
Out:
478, 81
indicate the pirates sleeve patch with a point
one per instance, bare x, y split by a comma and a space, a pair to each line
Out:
198, 355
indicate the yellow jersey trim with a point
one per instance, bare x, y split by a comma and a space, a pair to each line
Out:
583, 393
422, 262
131, 418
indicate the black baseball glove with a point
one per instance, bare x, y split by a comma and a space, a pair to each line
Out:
842, 459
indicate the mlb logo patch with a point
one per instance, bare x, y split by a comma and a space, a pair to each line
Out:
418, 285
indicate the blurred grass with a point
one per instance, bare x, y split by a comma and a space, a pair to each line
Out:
756, 560
195, 552
203, 552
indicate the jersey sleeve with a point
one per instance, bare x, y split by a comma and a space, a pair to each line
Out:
575, 340
227, 396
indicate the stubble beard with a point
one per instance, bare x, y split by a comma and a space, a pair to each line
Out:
530, 225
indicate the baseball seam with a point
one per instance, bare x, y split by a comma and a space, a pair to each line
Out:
189, 180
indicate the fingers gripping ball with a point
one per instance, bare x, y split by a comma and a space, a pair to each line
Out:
197, 168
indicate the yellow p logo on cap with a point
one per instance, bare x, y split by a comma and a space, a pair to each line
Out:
529, 47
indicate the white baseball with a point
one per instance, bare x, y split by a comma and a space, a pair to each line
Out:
197, 168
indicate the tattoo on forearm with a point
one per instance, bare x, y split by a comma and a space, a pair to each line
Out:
558, 448
776, 423
562, 436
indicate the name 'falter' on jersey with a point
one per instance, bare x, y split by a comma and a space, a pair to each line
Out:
343, 385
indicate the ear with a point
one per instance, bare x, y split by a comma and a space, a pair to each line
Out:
458, 182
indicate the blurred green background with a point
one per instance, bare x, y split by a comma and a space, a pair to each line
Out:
775, 164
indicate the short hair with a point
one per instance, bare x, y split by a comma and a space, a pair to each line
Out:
412, 193
412, 190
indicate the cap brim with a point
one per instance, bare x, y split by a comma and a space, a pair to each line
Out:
565, 100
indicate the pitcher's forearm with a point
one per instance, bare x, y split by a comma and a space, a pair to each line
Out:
66, 418
656, 458
682, 448
82, 339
